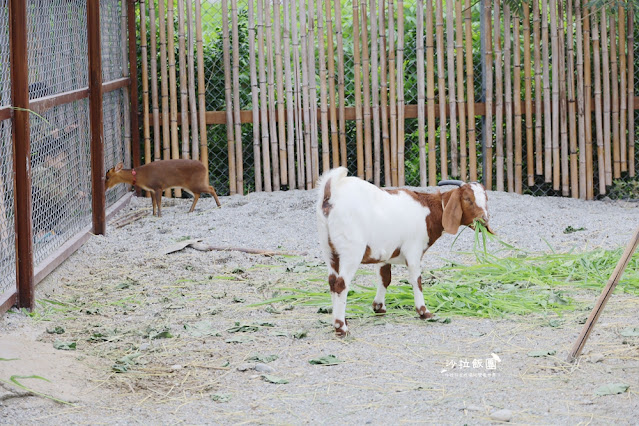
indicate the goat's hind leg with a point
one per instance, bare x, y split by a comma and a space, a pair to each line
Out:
384, 279
339, 292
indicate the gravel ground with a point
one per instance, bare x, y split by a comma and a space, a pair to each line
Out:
165, 322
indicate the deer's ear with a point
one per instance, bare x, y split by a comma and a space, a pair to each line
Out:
119, 167
452, 216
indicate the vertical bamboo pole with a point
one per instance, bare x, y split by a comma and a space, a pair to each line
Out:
257, 164
631, 95
375, 95
331, 84
488, 129
164, 87
572, 106
384, 92
510, 171
441, 87
421, 139
230, 140
547, 98
470, 95
195, 132
239, 157
430, 95
539, 165
554, 46
201, 88
366, 70
340, 82
184, 95
452, 102
326, 164
391, 93
563, 107
590, 191
598, 107
290, 100
581, 113
461, 106
499, 102
614, 86
530, 163
306, 94
400, 94
146, 131
157, 150
623, 111
281, 95
517, 105
297, 92
605, 76
173, 98
359, 137
312, 93
270, 71
266, 162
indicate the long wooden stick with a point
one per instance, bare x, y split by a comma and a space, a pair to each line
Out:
326, 161
384, 93
357, 89
173, 98
270, 73
614, 86
281, 95
391, 93
366, 87
441, 87
508, 100
470, 94
297, 93
228, 94
164, 87
488, 130
195, 130
554, 47
201, 88
581, 116
587, 101
572, 107
308, 173
530, 164
461, 105
401, 180
605, 76
499, 102
623, 101
290, 100
421, 136
614, 279
330, 34
375, 95
184, 94
563, 106
430, 95
310, 40
452, 102
598, 108
340, 82
146, 131
517, 105
157, 149
631, 95
547, 97
255, 89
239, 157
266, 152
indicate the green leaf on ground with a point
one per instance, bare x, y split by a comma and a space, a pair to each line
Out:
630, 332
300, 334
326, 360
611, 389
274, 379
55, 330
64, 346
265, 359
243, 328
569, 229
221, 397
537, 354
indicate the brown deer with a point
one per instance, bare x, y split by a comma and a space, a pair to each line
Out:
157, 176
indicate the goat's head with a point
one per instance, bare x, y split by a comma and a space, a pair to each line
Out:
465, 204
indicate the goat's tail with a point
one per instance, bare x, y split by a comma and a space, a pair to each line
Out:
325, 183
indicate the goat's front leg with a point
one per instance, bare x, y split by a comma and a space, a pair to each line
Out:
384, 279
415, 278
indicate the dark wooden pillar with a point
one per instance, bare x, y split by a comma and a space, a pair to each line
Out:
96, 117
133, 74
21, 152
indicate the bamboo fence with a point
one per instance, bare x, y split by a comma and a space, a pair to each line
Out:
557, 114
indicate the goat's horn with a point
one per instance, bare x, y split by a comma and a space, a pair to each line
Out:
450, 182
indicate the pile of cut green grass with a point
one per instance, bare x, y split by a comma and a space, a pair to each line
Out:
519, 283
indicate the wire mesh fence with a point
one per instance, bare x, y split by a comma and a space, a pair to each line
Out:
116, 138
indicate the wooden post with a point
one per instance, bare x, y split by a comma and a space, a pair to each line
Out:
133, 75
155, 107
145, 85
255, 94
603, 298
631, 96
430, 95
470, 94
164, 89
96, 118
452, 102
21, 152
421, 137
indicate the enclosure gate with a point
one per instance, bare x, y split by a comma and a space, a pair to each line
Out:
272, 93
65, 93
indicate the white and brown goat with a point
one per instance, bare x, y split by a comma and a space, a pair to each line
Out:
361, 223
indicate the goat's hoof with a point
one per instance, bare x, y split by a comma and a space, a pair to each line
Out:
341, 329
423, 313
379, 308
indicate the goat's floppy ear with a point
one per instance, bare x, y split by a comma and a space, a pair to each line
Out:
451, 219
119, 167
